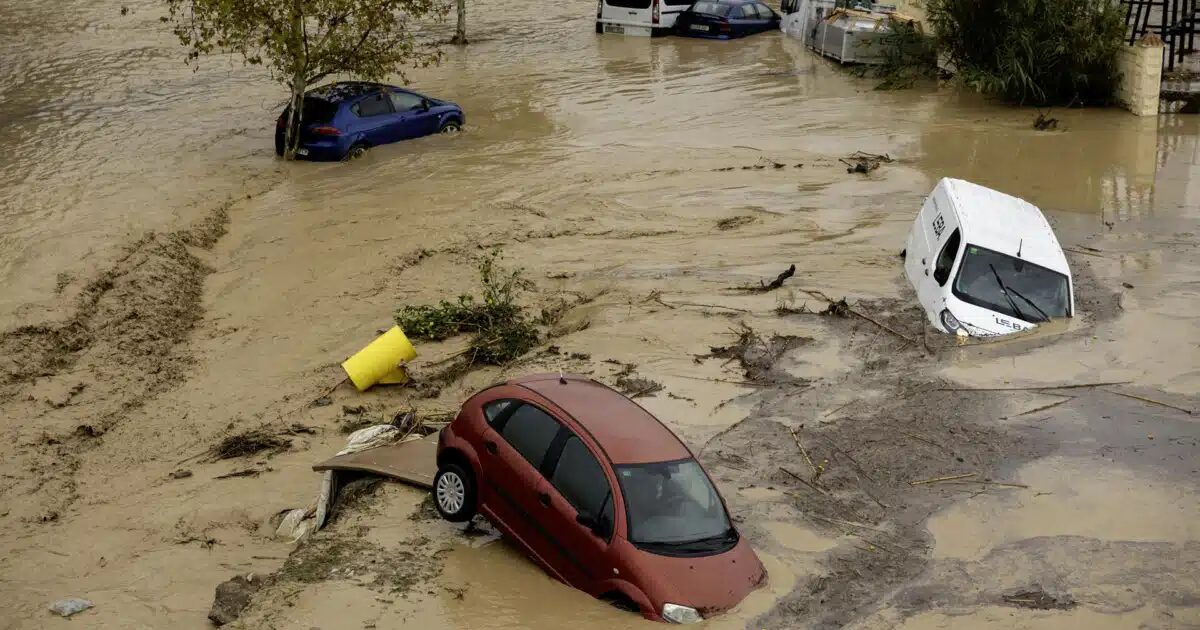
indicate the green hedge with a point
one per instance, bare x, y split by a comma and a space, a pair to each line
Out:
1033, 52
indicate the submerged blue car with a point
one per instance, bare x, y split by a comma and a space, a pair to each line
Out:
342, 120
726, 19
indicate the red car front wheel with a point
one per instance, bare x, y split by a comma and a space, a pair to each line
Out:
454, 493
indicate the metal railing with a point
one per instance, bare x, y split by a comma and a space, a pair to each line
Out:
1175, 21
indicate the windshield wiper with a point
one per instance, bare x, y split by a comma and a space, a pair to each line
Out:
1045, 317
1004, 290
701, 544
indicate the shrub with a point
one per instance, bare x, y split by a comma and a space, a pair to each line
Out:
501, 330
1033, 52
908, 56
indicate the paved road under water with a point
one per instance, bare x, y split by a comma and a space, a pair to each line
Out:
599, 163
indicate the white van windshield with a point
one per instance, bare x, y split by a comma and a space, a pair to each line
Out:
1012, 286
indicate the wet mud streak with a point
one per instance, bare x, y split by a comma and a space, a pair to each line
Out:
119, 346
856, 466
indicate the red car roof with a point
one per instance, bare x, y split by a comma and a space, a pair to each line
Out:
626, 432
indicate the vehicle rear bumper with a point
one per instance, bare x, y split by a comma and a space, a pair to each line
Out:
633, 29
320, 150
702, 35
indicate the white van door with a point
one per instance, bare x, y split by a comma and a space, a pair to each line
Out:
937, 241
671, 10
937, 286
917, 249
626, 12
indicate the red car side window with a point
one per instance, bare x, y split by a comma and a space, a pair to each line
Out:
495, 409
580, 479
530, 431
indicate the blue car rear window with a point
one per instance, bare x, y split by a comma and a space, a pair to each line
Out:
316, 110
711, 8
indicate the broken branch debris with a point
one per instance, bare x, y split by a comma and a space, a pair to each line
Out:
801, 480
860, 162
941, 479
1052, 405
1151, 401
1029, 388
816, 471
249, 443
764, 287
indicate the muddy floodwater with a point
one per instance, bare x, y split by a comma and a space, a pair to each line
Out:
165, 281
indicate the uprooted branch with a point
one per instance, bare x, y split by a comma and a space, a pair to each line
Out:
860, 162
840, 308
756, 355
249, 442
764, 287
502, 331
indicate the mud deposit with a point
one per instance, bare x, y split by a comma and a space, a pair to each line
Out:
176, 303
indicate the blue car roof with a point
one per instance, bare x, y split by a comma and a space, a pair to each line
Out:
346, 90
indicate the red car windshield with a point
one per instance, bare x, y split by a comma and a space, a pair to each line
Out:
672, 506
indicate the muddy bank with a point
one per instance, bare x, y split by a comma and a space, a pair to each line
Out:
71, 382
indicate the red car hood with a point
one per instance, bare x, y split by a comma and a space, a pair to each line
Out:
710, 584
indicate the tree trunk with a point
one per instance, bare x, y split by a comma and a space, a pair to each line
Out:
291, 136
460, 33
298, 47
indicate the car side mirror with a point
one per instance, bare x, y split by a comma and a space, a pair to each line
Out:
424, 105
598, 525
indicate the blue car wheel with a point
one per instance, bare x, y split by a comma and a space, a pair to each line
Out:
356, 151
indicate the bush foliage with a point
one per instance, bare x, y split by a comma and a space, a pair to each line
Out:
1033, 52
501, 330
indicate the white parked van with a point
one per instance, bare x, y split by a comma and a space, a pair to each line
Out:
985, 263
639, 17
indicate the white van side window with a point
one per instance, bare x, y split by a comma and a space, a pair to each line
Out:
945, 259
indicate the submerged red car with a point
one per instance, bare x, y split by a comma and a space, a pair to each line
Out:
599, 493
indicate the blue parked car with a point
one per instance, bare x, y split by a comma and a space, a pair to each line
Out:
726, 19
343, 120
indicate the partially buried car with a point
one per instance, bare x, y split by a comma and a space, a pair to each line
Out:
726, 19
342, 120
599, 493
984, 263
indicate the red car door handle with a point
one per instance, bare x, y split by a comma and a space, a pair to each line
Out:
545, 499
490, 446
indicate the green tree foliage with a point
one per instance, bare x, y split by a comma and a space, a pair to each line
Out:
304, 41
1033, 52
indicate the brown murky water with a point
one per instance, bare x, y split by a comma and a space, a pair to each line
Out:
595, 162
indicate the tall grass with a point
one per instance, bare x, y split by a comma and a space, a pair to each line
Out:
1033, 52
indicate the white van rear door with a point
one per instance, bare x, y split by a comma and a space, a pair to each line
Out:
627, 11
917, 247
939, 227
671, 10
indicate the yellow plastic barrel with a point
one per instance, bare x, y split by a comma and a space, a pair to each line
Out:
382, 361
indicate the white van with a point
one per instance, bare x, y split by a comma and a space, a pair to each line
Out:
985, 263
639, 17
